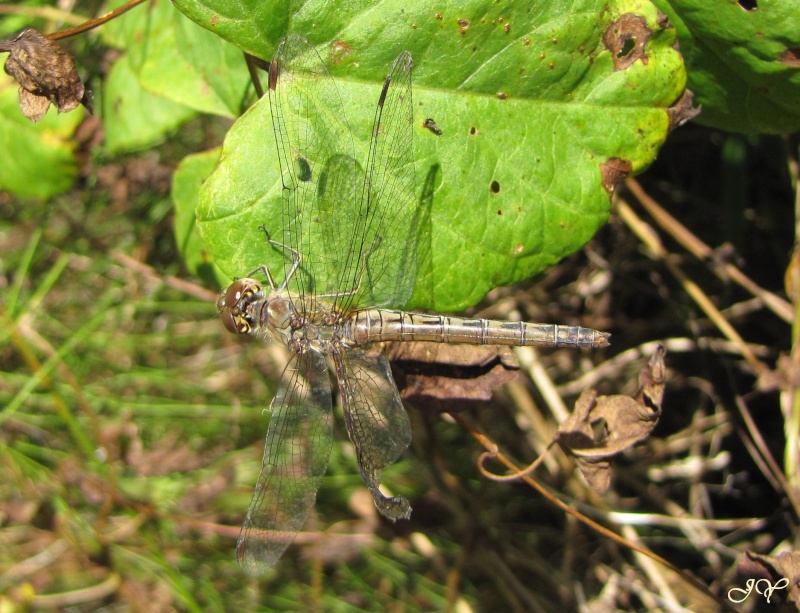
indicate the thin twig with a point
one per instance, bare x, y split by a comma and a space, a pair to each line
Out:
42, 12
182, 285
657, 250
96, 22
703, 252
493, 449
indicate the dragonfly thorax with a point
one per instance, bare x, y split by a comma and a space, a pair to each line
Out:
246, 308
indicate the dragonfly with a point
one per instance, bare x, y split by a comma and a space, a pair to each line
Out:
347, 243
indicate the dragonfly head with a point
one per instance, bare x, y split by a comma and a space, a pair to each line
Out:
233, 305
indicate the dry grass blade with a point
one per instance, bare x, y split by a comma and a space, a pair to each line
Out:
701, 251
493, 450
654, 245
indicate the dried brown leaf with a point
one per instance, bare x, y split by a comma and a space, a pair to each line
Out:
683, 110
771, 575
603, 426
46, 74
444, 377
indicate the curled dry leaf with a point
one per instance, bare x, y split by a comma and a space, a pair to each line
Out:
781, 572
443, 377
603, 426
683, 110
46, 74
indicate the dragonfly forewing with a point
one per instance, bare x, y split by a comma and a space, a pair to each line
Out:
382, 266
376, 421
354, 227
311, 132
295, 459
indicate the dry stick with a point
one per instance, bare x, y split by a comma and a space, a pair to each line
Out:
493, 449
99, 591
790, 398
42, 12
613, 366
778, 306
182, 285
759, 451
700, 250
93, 23
648, 237
253, 64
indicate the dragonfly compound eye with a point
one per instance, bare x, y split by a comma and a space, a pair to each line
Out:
236, 291
233, 302
235, 324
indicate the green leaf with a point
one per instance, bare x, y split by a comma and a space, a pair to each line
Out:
536, 111
744, 65
186, 183
174, 58
38, 160
135, 119
254, 26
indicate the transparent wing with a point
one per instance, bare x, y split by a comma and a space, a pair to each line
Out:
295, 459
382, 258
354, 230
376, 421
311, 134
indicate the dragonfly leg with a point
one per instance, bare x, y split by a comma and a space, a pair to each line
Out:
365, 265
295, 260
265, 271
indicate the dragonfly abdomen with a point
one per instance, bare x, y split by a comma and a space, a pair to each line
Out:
375, 325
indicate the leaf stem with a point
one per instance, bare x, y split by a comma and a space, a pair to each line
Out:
97, 21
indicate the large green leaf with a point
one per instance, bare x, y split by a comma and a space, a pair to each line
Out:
38, 158
175, 59
134, 118
538, 106
743, 61
186, 184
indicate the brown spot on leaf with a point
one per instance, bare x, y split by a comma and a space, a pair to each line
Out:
502, 95
438, 16
464, 24
443, 377
627, 38
339, 51
613, 171
601, 427
46, 74
214, 20
683, 110
790, 57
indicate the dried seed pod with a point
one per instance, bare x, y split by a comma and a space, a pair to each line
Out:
46, 74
